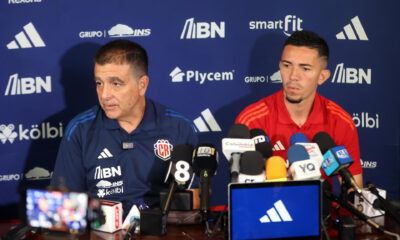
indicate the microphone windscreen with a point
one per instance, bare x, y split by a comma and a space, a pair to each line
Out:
275, 168
298, 138
205, 157
239, 131
252, 163
297, 153
261, 142
182, 152
324, 141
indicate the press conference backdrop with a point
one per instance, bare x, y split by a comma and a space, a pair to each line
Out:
208, 60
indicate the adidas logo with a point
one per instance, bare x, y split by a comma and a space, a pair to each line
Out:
208, 118
23, 39
105, 154
278, 146
351, 35
278, 213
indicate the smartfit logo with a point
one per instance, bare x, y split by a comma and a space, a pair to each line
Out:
119, 30
23, 1
43, 131
350, 34
274, 78
177, 75
351, 75
366, 120
290, 24
278, 213
25, 40
27, 85
202, 30
206, 117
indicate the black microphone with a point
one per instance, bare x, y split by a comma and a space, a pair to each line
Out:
181, 170
261, 142
385, 204
252, 167
336, 159
237, 142
205, 163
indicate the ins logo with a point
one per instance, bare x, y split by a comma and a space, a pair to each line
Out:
202, 30
289, 25
364, 120
24, 86
368, 164
351, 75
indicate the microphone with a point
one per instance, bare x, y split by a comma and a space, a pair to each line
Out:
385, 204
252, 165
261, 141
205, 163
312, 148
275, 169
238, 142
302, 167
336, 159
180, 169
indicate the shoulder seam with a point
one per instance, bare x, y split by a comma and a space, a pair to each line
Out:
338, 111
253, 113
81, 118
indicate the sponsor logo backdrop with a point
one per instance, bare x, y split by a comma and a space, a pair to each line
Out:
208, 60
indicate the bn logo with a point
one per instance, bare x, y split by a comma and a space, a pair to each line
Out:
162, 149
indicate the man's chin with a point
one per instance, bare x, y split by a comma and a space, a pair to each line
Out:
293, 100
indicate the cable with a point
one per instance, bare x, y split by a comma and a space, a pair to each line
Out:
392, 234
325, 231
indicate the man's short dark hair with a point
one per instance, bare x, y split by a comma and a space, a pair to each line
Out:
309, 39
124, 51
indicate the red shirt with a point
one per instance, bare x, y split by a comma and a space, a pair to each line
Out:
271, 115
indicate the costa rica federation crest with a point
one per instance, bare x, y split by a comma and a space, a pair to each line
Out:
162, 149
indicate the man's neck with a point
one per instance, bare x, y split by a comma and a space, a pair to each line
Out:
131, 123
299, 112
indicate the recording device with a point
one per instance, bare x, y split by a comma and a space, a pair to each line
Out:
275, 169
302, 167
205, 163
56, 210
312, 148
261, 141
252, 165
336, 159
237, 142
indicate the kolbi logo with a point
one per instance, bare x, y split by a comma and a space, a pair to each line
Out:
25, 40
177, 75
351, 75
119, 30
274, 78
366, 120
44, 131
202, 30
27, 85
290, 24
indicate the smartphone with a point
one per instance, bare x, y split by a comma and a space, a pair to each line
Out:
55, 210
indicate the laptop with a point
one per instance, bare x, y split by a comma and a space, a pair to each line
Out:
275, 210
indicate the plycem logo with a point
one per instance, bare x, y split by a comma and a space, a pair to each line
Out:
119, 30
206, 117
350, 34
177, 75
274, 78
25, 40
202, 30
366, 120
351, 75
278, 213
42, 131
290, 24
27, 85
105, 154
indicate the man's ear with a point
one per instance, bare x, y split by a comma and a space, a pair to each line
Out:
143, 82
323, 76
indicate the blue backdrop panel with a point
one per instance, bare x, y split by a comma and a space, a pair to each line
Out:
208, 60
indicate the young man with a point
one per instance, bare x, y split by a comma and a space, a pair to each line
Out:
297, 107
120, 150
